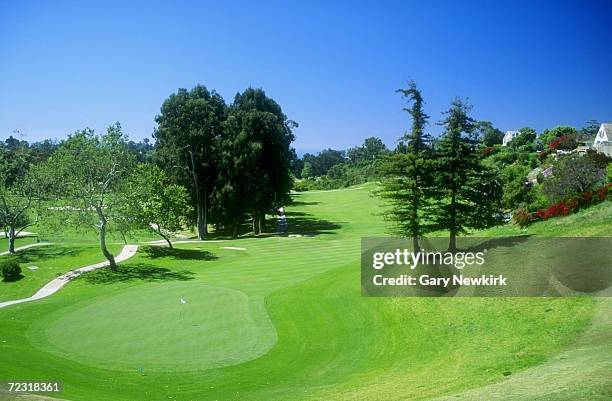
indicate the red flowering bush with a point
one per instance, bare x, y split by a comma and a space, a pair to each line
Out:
566, 142
572, 205
602, 193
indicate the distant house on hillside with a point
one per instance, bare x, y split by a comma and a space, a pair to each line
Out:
510, 135
547, 172
603, 139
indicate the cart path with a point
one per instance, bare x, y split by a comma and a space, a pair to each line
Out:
56, 284
21, 248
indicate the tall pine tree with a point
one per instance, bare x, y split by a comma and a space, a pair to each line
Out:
407, 179
468, 194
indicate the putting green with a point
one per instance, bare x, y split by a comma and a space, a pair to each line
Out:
164, 326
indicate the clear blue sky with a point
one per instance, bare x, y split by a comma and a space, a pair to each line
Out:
333, 67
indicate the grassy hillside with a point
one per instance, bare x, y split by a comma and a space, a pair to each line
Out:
595, 221
284, 319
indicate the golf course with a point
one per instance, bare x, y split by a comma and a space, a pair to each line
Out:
280, 316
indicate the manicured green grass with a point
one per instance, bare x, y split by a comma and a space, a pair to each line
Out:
285, 319
50, 261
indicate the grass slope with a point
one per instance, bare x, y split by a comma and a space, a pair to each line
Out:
285, 319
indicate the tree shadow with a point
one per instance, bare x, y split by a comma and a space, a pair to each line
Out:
13, 279
501, 242
303, 203
301, 223
134, 272
155, 252
35, 254
473, 244
243, 231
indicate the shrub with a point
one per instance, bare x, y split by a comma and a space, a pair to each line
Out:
573, 175
305, 184
565, 142
573, 204
10, 270
522, 218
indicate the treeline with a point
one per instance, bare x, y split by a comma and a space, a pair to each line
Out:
330, 169
212, 164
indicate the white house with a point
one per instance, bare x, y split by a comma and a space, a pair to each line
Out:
603, 139
510, 135
604, 134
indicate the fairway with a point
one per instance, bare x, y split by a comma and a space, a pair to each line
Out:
284, 319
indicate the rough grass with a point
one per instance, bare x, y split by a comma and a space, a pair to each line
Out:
285, 319
595, 221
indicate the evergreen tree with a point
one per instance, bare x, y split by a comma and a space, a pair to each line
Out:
256, 158
467, 193
407, 176
189, 125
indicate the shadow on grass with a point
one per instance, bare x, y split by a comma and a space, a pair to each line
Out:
303, 203
177, 253
134, 272
502, 242
12, 279
300, 223
473, 244
46, 252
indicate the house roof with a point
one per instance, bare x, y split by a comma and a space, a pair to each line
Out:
605, 131
511, 134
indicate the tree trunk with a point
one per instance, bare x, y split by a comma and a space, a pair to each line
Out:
167, 238
255, 224
452, 242
415, 244
205, 201
201, 221
11, 239
200, 201
109, 256
262, 222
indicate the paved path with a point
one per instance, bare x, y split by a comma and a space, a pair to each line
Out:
21, 234
55, 285
21, 248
